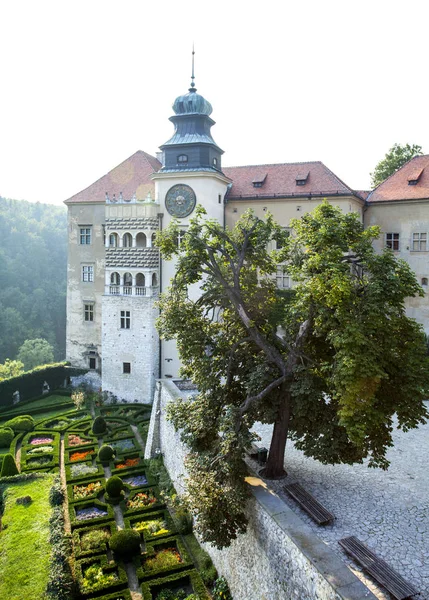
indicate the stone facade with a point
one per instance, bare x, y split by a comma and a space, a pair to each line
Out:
278, 558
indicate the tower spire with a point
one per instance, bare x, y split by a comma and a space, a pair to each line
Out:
193, 88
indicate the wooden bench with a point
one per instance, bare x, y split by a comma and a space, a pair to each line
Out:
307, 502
378, 568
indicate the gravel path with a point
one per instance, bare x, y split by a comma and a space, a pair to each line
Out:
387, 510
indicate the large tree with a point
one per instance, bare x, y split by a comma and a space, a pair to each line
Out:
397, 156
347, 361
35, 352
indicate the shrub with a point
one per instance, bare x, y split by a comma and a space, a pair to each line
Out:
6, 437
209, 575
9, 466
56, 494
21, 423
114, 486
125, 543
221, 590
106, 453
99, 425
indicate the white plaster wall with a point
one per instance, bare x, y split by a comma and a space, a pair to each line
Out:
138, 345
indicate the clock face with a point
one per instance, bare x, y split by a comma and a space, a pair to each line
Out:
180, 200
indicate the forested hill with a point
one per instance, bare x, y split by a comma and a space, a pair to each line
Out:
33, 269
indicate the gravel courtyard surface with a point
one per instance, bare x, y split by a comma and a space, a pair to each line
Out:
387, 510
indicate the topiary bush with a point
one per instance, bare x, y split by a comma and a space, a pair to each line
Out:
56, 493
99, 425
114, 486
6, 437
125, 543
106, 453
21, 423
9, 467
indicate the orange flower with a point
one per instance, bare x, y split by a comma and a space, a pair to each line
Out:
80, 455
129, 462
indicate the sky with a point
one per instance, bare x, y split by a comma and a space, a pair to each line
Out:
85, 84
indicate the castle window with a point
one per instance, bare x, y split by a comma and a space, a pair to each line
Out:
182, 158
282, 278
113, 240
215, 162
88, 273
419, 242
301, 178
88, 311
115, 279
259, 180
127, 240
414, 177
126, 367
219, 198
392, 241
141, 241
125, 319
424, 280
92, 363
85, 235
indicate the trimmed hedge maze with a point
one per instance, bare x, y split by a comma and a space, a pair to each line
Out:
168, 563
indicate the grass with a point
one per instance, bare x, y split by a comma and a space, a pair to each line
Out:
24, 544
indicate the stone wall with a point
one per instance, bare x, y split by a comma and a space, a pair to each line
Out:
279, 557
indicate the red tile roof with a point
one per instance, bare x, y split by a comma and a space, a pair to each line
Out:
130, 177
281, 181
396, 186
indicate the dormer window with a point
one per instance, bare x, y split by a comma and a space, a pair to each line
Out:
259, 181
414, 177
182, 158
215, 162
301, 178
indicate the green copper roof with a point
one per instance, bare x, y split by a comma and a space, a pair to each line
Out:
192, 103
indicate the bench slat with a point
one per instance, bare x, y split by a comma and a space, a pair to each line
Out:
308, 503
378, 568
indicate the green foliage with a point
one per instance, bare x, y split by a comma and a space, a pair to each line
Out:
56, 494
11, 368
6, 437
36, 352
33, 270
106, 453
8, 467
30, 385
21, 423
349, 360
99, 426
125, 543
221, 590
397, 156
114, 486
94, 539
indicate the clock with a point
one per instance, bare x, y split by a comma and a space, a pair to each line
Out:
180, 200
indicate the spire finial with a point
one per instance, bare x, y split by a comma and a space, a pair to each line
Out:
192, 88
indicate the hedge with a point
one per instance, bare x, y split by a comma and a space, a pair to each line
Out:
122, 595
67, 454
160, 514
75, 523
150, 589
35, 411
77, 534
30, 384
82, 565
26, 462
70, 486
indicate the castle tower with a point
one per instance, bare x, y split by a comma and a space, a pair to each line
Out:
191, 174
130, 358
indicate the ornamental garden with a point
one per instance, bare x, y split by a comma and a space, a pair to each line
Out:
84, 515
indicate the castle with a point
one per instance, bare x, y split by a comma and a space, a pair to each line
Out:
115, 273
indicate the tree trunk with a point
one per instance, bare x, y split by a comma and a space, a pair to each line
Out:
274, 468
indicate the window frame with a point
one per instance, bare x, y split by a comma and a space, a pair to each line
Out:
85, 235
125, 319
281, 277
87, 273
393, 241
88, 312
420, 241
126, 368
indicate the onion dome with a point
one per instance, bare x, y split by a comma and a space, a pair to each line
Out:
192, 103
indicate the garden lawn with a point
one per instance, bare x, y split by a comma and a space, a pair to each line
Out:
24, 544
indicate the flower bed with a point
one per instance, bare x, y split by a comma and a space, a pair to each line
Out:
85, 513
80, 471
40, 440
123, 445
92, 540
74, 439
135, 480
39, 461
188, 582
81, 455
41, 450
152, 526
95, 574
85, 491
168, 555
141, 500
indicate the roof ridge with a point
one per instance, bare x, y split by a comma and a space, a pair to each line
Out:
307, 162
